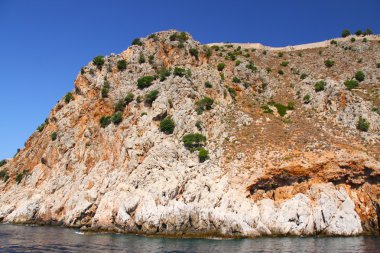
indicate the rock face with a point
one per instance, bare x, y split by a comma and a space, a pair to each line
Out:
284, 157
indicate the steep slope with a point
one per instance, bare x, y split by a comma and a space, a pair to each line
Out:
285, 152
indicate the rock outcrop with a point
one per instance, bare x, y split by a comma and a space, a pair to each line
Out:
283, 156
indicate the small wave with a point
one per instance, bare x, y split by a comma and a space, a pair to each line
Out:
79, 233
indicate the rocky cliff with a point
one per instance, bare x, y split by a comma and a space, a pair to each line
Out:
178, 138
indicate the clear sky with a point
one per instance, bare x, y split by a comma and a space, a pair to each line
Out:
44, 43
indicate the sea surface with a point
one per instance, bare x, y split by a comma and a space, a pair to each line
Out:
17, 238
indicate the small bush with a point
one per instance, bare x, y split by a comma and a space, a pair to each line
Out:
266, 109
117, 118
367, 32
207, 51
42, 126
141, 58
119, 106
364, 40
208, 84
137, 42
198, 124
221, 66
351, 84
320, 86
4, 175
251, 66
105, 121
151, 96
204, 104
215, 47
291, 105
281, 72
281, 109
334, 42
232, 92
129, 98
237, 63
359, 75
363, 124
164, 73
358, 32
151, 59
153, 36
144, 82
346, 33
303, 76
167, 125
378, 65
105, 89
54, 136
236, 80
21, 175
280, 54
98, 61
329, 63
193, 140
122, 65
179, 72
68, 97
306, 99
194, 52
353, 39
181, 37
202, 155
3, 162
284, 63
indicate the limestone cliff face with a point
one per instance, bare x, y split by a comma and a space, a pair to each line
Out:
285, 155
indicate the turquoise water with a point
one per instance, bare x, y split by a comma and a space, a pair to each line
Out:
56, 239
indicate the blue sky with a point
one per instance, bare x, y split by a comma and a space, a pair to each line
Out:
44, 43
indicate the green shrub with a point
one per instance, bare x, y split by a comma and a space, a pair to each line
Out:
208, 84
181, 37
42, 126
208, 51
98, 61
334, 42
141, 58
198, 124
151, 96
358, 32
284, 63
193, 140
232, 92
359, 75
215, 47
3, 162
143, 113
129, 98
237, 63
68, 97
329, 63
137, 42
266, 109
153, 36
291, 105
151, 59
221, 66
117, 118
163, 73
367, 32
251, 66
167, 125
119, 106
54, 136
346, 33
105, 89
231, 56
363, 124
351, 84
122, 65
364, 40
144, 82
4, 175
281, 72
236, 80
281, 109
353, 39
105, 121
82, 71
320, 86
202, 155
306, 99
194, 52
378, 65
21, 175
204, 104
179, 72
280, 54
303, 76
